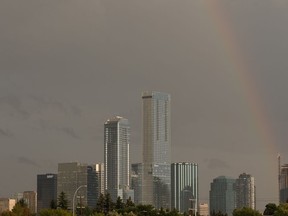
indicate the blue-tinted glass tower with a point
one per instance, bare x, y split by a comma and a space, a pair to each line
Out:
223, 195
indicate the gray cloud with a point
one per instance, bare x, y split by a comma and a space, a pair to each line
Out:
71, 132
27, 161
6, 133
15, 104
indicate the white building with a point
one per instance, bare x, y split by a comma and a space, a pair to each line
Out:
116, 156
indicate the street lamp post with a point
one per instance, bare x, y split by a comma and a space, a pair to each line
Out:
75, 195
193, 202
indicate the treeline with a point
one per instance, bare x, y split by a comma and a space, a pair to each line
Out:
106, 207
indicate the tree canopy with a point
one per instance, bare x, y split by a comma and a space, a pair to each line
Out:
246, 212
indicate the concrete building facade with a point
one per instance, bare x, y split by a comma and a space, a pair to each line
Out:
6, 204
204, 209
30, 198
245, 191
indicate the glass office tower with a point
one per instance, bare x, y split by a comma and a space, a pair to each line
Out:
73, 175
46, 190
116, 156
184, 187
156, 149
223, 195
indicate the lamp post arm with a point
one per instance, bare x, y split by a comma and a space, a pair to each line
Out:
73, 201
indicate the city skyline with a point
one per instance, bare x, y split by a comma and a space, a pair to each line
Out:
67, 66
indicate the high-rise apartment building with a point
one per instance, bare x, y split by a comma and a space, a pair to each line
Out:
156, 149
222, 195
72, 176
245, 191
30, 198
46, 190
116, 156
283, 183
100, 179
184, 187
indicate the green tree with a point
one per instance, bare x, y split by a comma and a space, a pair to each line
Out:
53, 204
219, 213
270, 209
129, 203
109, 205
54, 212
246, 212
119, 204
7, 213
21, 209
100, 205
282, 210
62, 201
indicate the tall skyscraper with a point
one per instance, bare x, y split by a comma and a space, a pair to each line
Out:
184, 187
284, 183
245, 191
156, 149
116, 156
46, 190
223, 195
73, 175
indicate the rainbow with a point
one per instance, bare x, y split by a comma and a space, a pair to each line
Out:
239, 70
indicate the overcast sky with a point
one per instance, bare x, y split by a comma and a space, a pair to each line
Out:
68, 65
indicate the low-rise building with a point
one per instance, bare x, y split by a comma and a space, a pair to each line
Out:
6, 204
203, 209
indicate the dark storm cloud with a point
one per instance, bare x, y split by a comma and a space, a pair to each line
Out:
6, 133
47, 102
71, 132
27, 161
15, 104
